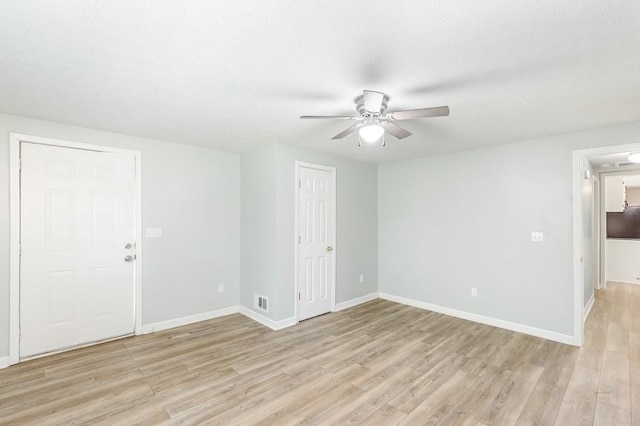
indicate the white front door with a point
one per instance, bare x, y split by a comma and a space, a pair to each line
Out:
77, 222
316, 224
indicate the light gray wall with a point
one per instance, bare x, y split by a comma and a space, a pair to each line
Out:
192, 193
436, 243
356, 226
258, 226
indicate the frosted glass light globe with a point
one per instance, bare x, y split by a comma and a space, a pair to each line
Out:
371, 133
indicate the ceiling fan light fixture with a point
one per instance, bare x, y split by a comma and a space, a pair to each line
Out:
634, 157
374, 122
371, 133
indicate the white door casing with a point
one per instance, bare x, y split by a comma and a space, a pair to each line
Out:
77, 210
579, 156
596, 233
315, 272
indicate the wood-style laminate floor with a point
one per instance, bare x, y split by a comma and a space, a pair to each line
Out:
378, 363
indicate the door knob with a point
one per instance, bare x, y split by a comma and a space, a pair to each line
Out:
128, 246
329, 248
128, 258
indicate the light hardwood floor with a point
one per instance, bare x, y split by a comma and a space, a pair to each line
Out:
378, 363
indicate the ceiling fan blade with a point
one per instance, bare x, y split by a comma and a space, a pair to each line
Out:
348, 131
441, 111
395, 130
372, 101
332, 117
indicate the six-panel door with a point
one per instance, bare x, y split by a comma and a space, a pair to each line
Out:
315, 248
77, 216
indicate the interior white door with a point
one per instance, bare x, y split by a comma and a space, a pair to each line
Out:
77, 222
315, 241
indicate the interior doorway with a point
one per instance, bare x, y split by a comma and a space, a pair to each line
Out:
621, 224
592, 164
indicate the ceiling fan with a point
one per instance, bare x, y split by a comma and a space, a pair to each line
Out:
374, 120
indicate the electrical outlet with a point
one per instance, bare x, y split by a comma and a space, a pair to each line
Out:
221, 288
361, 278
474, 291
537, 237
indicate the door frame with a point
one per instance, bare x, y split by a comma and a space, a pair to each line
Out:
296, 186
15, 139
597, 214
579, 157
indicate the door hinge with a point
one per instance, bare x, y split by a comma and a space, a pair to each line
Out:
299, 296
299, 183
299, 239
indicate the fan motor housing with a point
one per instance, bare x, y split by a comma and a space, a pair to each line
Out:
359, 101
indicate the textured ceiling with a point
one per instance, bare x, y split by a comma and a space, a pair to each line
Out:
231, 74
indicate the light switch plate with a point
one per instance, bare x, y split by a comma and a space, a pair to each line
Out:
537, 237
153, 232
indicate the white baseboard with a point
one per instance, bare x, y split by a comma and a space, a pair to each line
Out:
624, 282
4, 362
533, 331
355, 302
178, 322
267, 322
587, 308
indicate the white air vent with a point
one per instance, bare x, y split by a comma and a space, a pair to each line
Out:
260, 302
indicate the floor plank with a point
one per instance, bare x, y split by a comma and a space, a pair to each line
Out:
576, 409
615, 387
508, 405
542, 406
635, 396
608, 415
